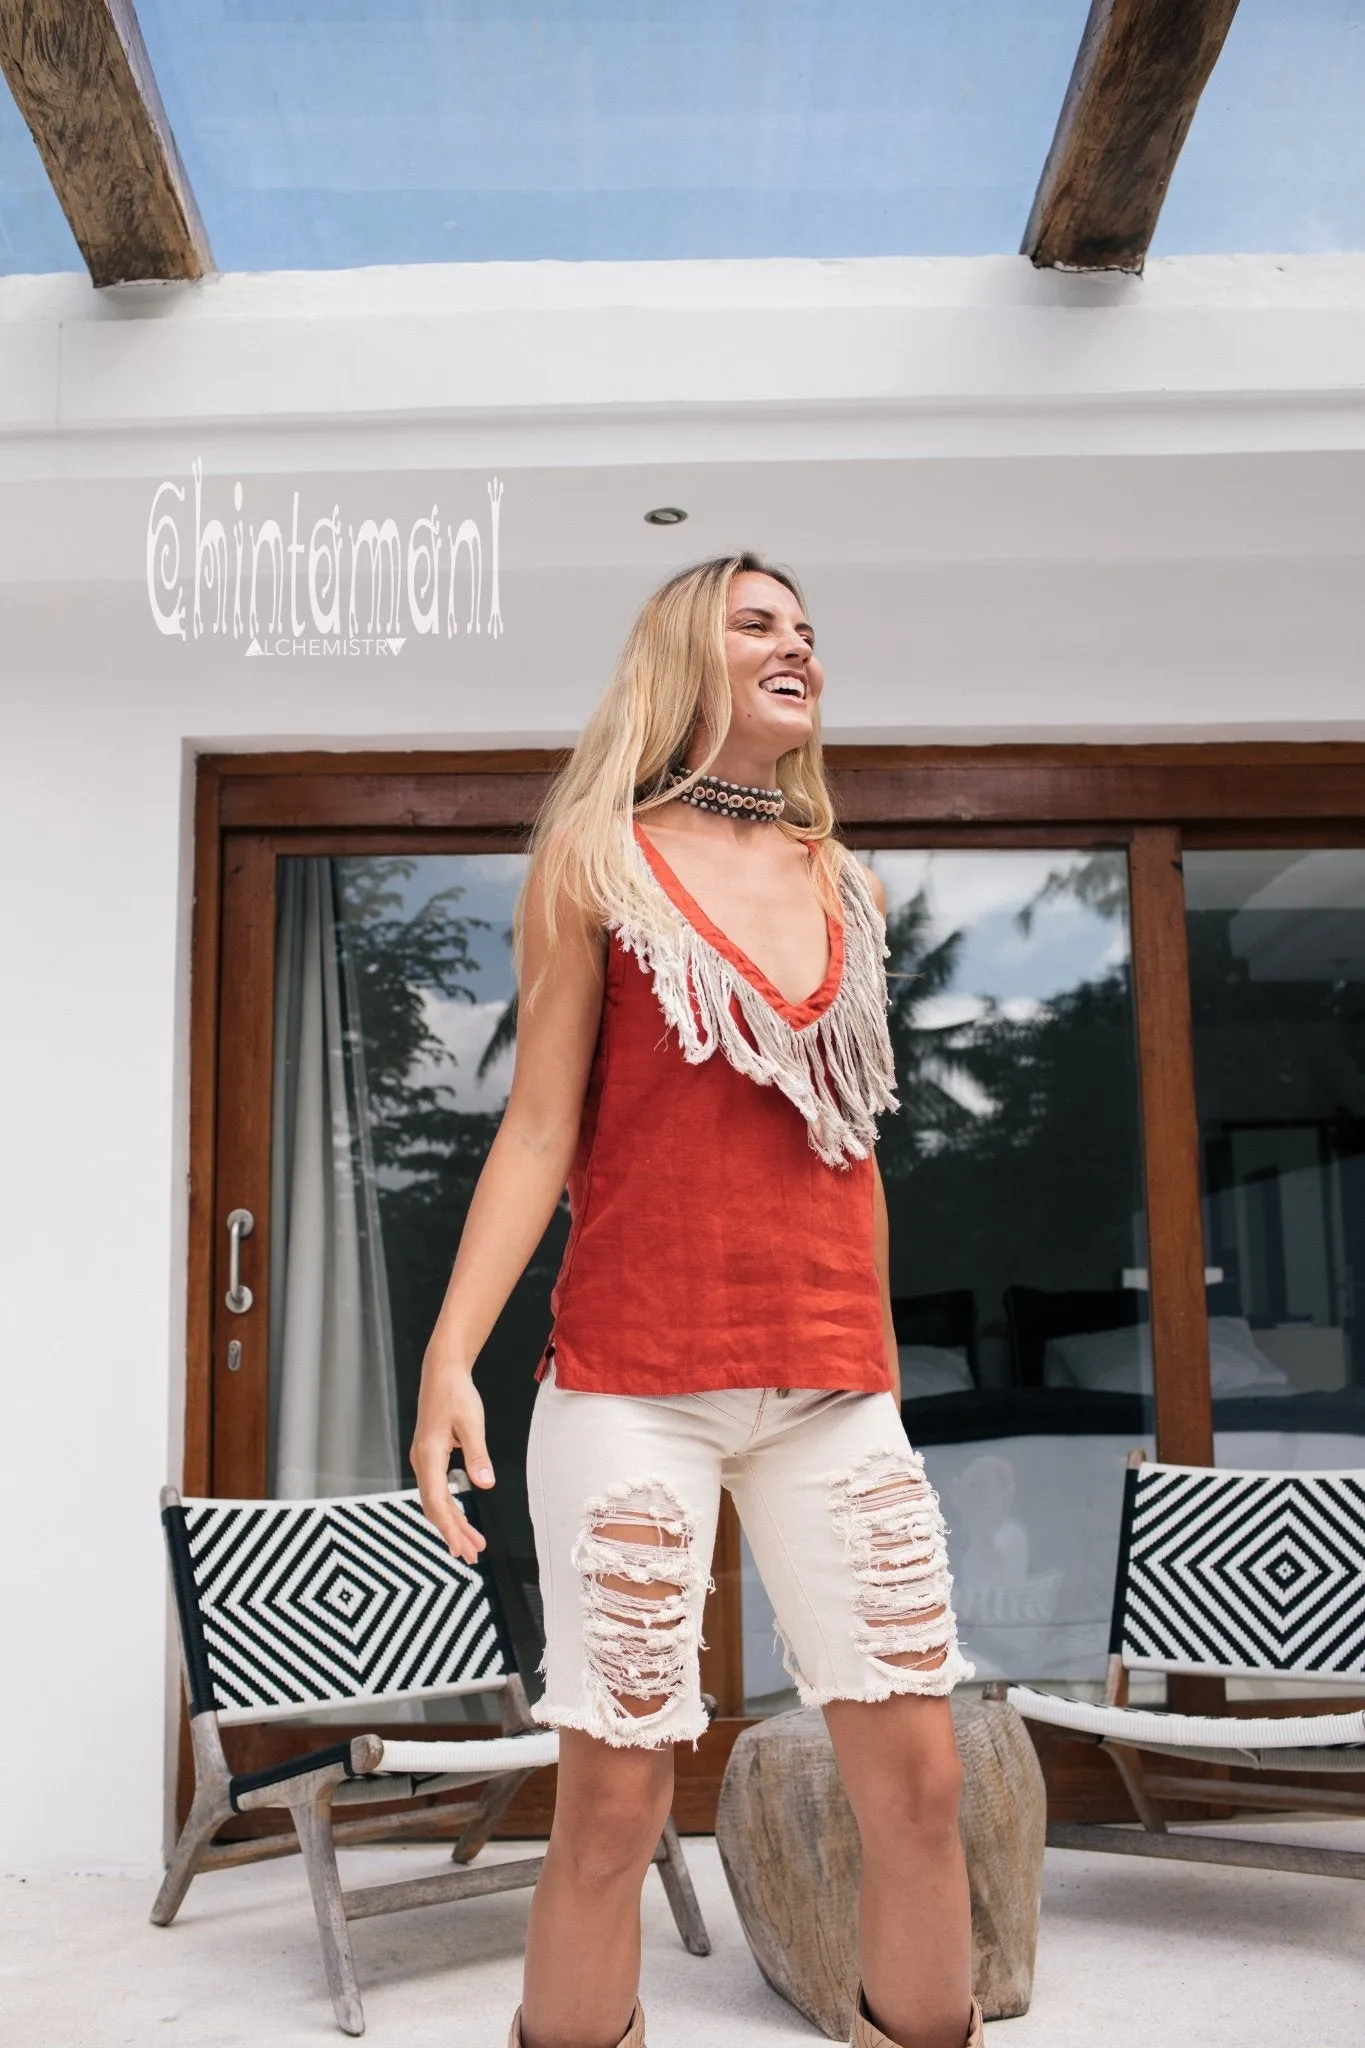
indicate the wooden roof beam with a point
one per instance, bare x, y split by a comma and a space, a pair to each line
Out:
80, 73
1139, 72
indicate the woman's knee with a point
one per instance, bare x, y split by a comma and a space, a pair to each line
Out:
917, 1795
900, 1765
611, 1805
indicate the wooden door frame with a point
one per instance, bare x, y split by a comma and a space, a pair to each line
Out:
1152, 800
323, 801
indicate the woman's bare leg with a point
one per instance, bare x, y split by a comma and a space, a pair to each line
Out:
899, 1763
583, 1940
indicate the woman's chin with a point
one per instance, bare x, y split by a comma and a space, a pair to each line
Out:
786, 730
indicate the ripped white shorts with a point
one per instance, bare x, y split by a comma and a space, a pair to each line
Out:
844, 1527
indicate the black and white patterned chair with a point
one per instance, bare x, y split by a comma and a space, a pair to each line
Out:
289, 1606
1232, 1574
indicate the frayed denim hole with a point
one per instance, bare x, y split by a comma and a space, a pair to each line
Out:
636, 1557
889, 1518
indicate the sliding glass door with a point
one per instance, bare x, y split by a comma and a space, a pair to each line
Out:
1014, 1181
1277, 981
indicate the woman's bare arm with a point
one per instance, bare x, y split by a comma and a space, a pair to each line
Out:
521, 1182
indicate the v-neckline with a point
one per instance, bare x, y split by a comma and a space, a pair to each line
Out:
798, 1015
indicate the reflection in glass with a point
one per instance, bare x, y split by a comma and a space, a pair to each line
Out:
393, 1057
1018, 1260
1012, 1175
1277, 985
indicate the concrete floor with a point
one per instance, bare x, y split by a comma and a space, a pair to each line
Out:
1132, 1955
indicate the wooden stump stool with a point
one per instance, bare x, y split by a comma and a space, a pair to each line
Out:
789, 1844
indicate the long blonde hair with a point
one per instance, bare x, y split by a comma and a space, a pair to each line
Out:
671, 677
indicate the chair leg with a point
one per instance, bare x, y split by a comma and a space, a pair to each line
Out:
205, 1818
501, 1792
1128, 1764
313, 1824
677, 1883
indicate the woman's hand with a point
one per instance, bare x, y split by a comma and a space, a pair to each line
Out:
449, 1418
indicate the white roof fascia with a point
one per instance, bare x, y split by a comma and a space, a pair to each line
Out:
553, 363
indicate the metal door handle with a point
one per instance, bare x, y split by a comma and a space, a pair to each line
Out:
240, 1224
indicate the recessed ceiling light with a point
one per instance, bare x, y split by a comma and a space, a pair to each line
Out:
665, 515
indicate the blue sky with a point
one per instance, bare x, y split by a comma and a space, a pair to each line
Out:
333, 133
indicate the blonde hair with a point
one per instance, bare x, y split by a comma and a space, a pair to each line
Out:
670, 678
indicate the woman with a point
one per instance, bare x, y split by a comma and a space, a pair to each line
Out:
702, 1051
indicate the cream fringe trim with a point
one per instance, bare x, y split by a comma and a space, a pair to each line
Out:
837, 1071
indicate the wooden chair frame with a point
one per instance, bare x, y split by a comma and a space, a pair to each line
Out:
354, 1774
1153, 1790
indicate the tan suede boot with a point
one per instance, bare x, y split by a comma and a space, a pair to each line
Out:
867, 2034
634, 2036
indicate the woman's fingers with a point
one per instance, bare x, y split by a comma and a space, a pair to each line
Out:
456, 1531
450, 1417
431, 1462
476, 1460
464, 1418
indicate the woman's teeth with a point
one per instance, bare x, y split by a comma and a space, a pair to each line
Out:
784, 686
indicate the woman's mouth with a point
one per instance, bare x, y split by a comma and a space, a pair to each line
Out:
785, 685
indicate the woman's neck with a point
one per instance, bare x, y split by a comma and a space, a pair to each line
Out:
735, 763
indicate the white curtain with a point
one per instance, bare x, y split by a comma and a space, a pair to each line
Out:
333, 1390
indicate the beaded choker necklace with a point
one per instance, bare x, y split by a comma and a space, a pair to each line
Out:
729, 799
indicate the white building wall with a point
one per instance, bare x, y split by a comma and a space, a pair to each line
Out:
1025, 507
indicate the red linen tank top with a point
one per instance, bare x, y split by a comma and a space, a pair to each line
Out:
711, 1245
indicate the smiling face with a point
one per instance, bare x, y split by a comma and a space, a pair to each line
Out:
775, 678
